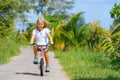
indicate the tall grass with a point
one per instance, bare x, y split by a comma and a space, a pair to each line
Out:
83, 64
8, 49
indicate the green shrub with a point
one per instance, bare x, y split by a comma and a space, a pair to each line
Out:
8, 49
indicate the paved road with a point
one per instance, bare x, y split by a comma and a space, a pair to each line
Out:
21, 68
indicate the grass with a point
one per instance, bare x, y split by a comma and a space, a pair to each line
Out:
8, 49
84, 64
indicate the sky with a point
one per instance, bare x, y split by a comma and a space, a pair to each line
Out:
94, 10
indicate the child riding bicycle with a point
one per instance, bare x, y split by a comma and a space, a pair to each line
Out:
41, 34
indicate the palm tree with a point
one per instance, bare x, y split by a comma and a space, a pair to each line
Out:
98, 37
69, 31
58, 36
115, 36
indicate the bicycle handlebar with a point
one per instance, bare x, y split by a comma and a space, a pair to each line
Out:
34, 44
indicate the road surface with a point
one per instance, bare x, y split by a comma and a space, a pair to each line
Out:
21, 68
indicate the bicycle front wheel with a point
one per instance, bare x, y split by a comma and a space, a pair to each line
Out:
41, 66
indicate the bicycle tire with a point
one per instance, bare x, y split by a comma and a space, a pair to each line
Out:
41, 66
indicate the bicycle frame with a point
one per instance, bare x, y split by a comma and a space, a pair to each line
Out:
41, 49
41, 61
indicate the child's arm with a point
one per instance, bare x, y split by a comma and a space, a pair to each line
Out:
32, 39
50, 38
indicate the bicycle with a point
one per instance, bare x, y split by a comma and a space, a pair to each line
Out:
41, 48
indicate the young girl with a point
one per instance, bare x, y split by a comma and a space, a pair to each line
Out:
41, 35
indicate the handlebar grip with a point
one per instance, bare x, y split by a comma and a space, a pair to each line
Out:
34, 44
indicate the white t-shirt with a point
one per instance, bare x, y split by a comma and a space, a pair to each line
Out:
41, 36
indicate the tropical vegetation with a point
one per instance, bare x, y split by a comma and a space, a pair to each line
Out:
85, 64
93, 46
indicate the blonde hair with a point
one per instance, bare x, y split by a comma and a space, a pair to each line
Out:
46, 23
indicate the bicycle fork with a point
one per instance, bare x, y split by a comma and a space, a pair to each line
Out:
41, 63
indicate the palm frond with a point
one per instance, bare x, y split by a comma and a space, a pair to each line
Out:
114, 28
107, 45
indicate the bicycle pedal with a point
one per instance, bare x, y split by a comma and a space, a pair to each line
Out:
35, 62
47, 71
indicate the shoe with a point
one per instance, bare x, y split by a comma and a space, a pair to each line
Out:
35, 61
47, 68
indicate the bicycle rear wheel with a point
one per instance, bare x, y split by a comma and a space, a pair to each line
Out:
41, 66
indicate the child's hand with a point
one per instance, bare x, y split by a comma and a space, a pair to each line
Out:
31, 44
51, 43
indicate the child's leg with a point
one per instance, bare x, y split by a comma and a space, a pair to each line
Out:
47, 60
46, 56
35, 51
35, 61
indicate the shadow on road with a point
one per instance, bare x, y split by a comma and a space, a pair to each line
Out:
28, 73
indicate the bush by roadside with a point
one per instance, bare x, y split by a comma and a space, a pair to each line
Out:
8, 49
